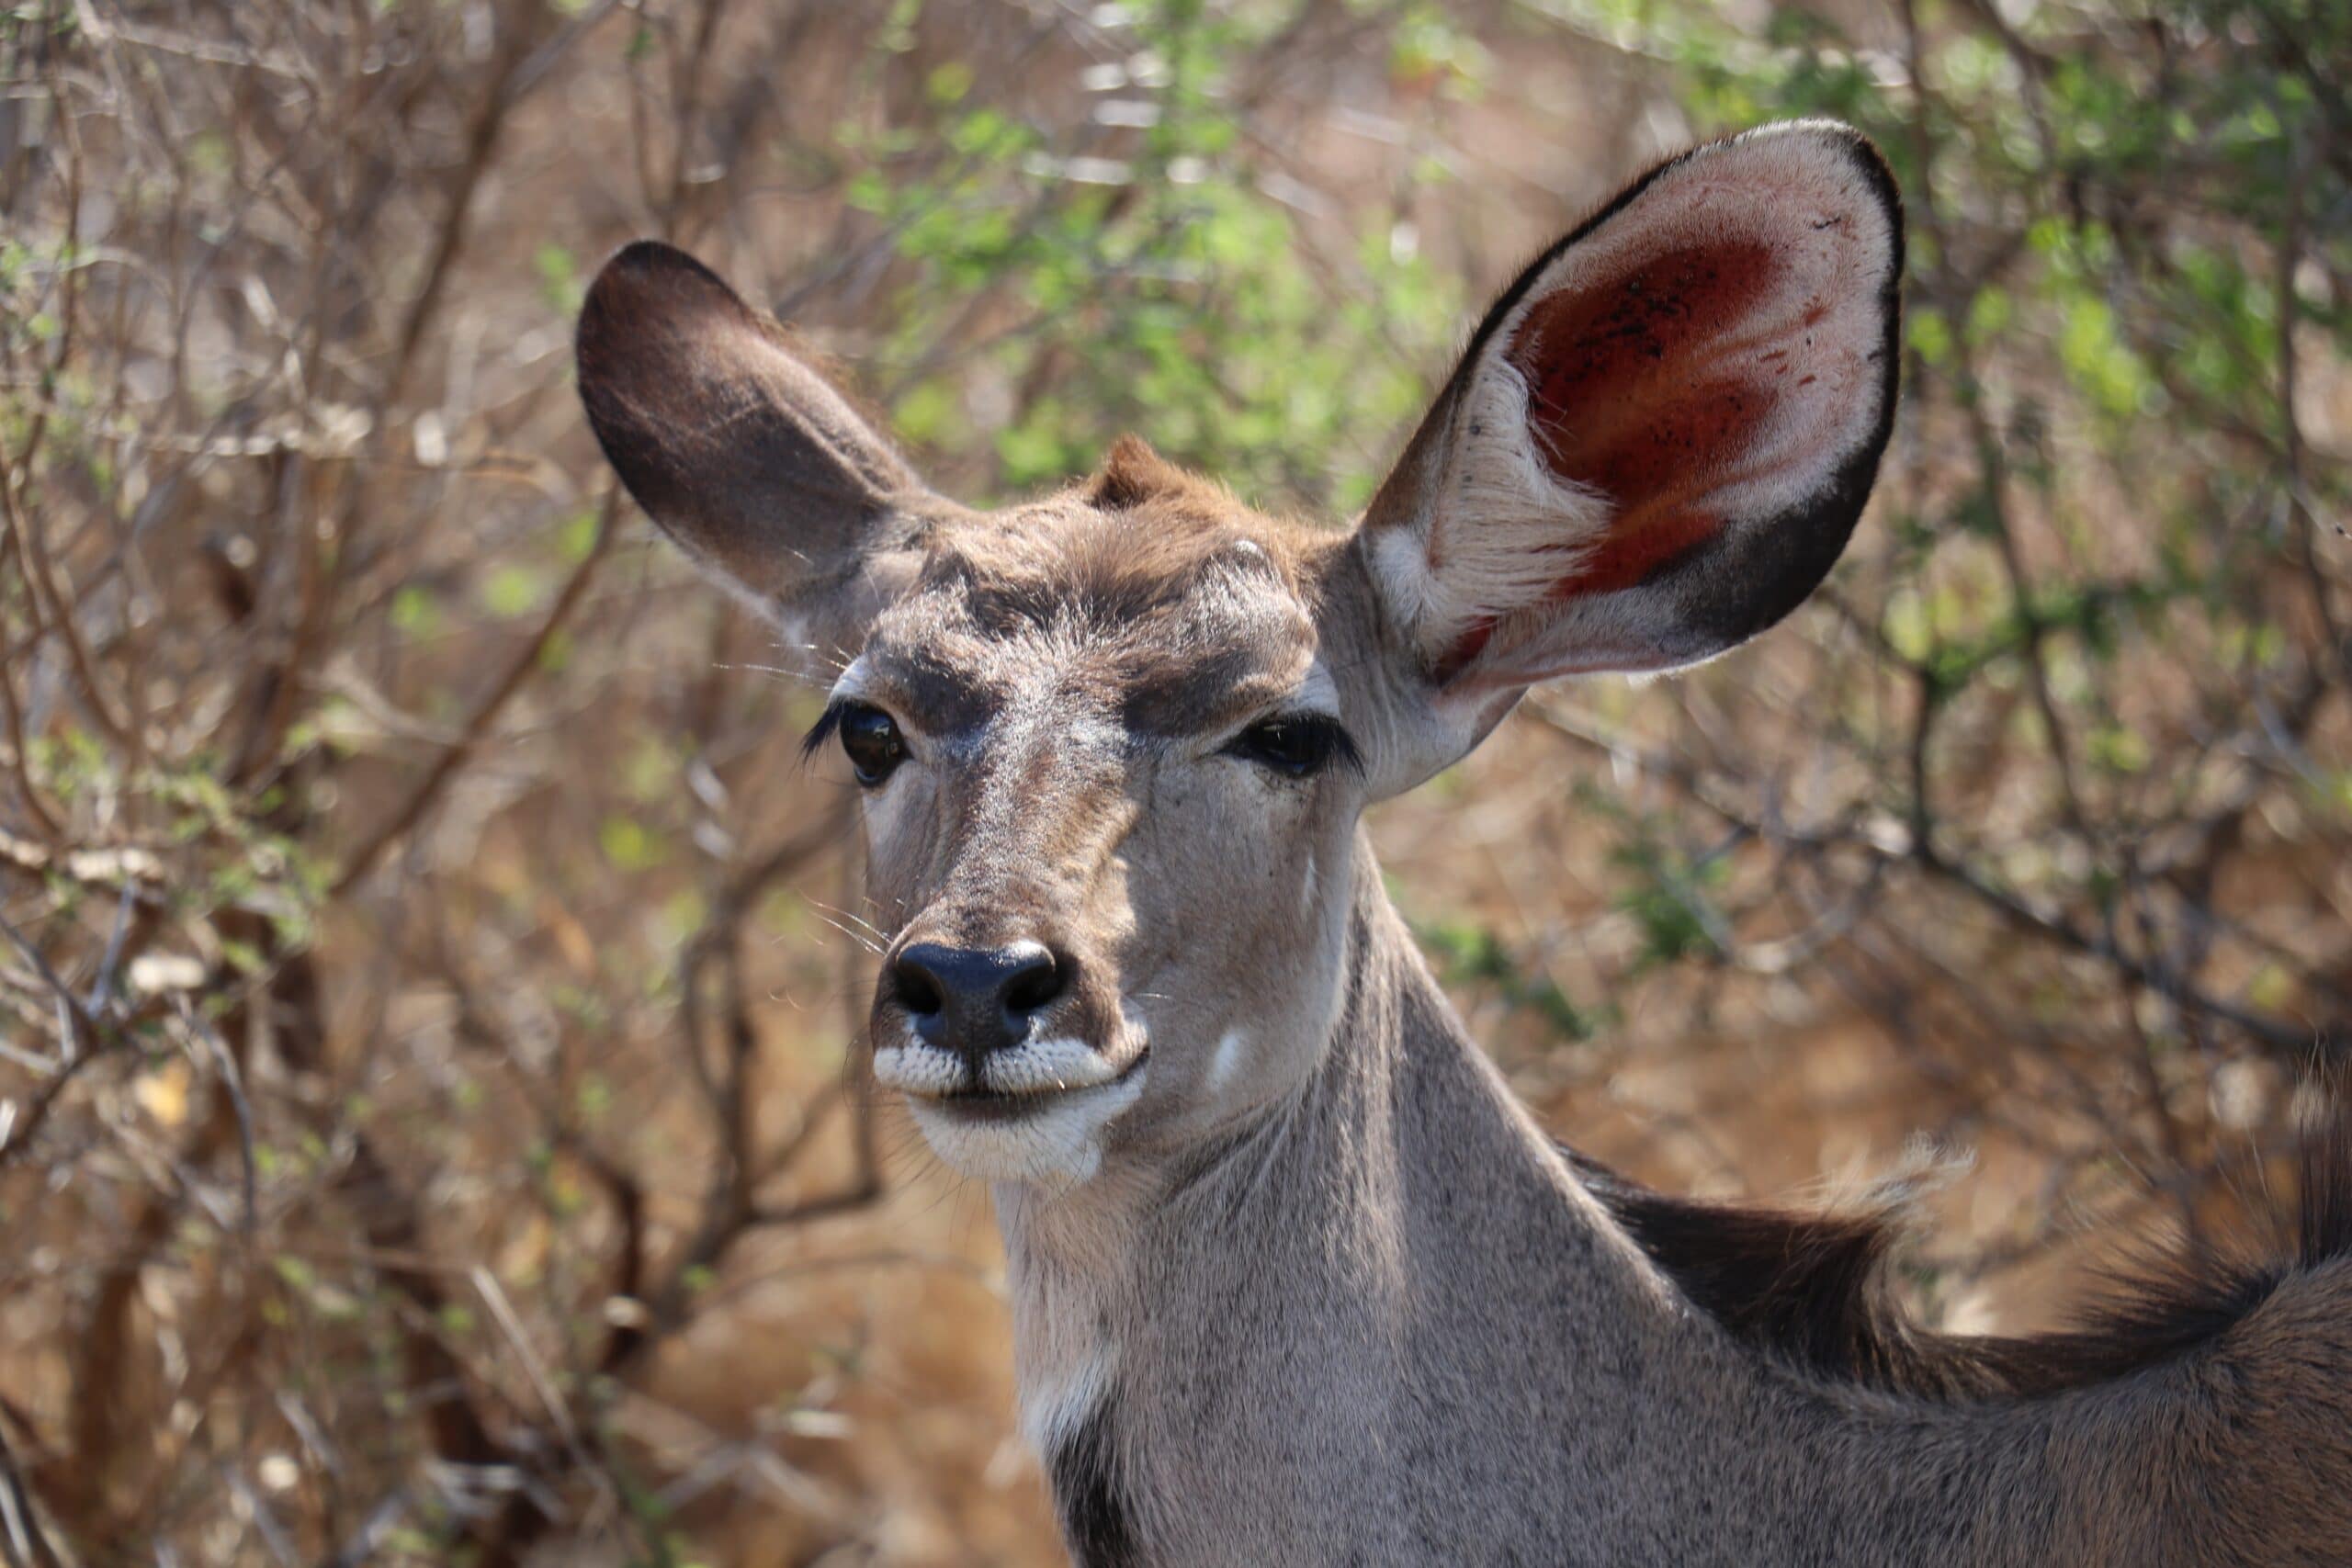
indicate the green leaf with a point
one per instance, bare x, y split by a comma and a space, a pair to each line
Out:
511, 589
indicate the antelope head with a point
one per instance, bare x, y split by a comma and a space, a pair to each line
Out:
1113, 744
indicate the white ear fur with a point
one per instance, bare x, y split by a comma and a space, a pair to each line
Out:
1498, 553
1532, 528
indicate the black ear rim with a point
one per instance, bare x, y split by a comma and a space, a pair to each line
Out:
630, 451
626, 450
1792, 552
1789, 554
648, 257
1859, 148
635, 264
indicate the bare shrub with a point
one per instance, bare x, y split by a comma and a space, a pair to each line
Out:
431, 1128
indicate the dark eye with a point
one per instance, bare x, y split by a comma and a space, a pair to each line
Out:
1298, 745
870, 737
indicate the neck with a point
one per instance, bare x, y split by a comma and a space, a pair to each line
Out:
1388, 1314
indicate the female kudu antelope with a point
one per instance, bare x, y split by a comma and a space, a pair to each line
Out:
1295, 1279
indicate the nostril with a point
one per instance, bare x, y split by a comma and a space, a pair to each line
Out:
975, 999
1037, 982
917, 987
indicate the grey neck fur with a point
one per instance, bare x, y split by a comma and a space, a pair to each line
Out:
1386, 1323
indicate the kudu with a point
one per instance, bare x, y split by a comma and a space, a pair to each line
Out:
1295, 1279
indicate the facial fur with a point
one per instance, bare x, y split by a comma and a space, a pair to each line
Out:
1069, 681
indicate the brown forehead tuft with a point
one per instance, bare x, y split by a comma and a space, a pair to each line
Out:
1183, 615
1066, 561
1133, 475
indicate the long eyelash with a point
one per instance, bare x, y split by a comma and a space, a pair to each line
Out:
1343, 748
1344, 751
1343, 745
822, 730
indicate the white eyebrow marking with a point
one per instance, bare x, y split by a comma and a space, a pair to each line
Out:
1317, 694
851, 682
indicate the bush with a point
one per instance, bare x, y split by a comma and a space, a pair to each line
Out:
430, 1125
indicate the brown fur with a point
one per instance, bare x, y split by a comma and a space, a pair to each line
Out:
1132, 473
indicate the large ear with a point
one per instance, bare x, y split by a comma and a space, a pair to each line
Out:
741, 453
1662, 434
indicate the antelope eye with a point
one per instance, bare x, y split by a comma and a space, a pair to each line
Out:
1296, 745
871, 740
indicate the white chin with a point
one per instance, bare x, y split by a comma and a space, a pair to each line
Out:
1058, 1144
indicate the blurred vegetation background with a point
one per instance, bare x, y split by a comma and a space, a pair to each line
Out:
430, 1117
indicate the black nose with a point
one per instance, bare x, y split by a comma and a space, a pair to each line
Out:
975, 1000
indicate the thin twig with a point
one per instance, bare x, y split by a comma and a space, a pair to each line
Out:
470, 734
20, 1528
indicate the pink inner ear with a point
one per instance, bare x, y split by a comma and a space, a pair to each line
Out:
1627, 396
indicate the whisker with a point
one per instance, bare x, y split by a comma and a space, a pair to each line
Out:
855, 935
820, 905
